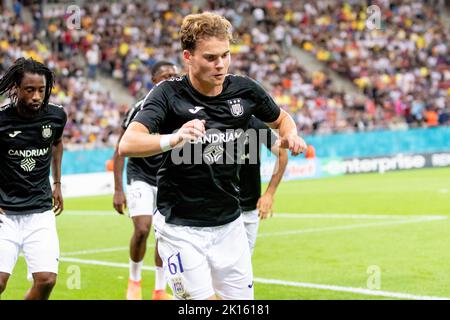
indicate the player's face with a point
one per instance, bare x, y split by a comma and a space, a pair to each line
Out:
31, 92
164, 73
209, 62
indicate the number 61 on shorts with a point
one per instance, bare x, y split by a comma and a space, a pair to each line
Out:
175, 264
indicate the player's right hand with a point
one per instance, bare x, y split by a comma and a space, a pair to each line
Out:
264, 206
1, 211
119, 201
191, 130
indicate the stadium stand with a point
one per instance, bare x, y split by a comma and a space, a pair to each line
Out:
403, 69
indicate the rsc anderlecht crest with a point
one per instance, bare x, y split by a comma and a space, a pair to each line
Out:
46, 131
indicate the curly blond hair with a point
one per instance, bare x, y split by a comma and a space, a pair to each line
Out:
203, 25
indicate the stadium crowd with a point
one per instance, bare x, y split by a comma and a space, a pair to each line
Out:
93, 116
402, 65
402, 68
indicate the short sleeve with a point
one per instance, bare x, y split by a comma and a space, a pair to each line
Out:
154, 108
131, 113
63, 119
266, 109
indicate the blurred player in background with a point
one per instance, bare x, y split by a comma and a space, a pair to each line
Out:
31, 132
141, 198
198, 222
254, 205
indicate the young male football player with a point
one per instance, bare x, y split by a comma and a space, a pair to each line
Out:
201, 234
141, 198
31, 132
254, 205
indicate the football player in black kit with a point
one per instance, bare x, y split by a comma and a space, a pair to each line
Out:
254, 205
31, 132
141, 198
200, 117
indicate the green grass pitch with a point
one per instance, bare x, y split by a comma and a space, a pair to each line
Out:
367, 236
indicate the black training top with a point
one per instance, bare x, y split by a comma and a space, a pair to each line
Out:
250, 173
25, 157
198, 185
141, 169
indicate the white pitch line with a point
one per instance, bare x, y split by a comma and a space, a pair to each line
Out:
284, 215
100, 250
387, 294
91, 213
103, 263
349, 227
281, 233
351, 216
83, 252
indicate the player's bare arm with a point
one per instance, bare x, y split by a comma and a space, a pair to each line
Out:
138, 142
289, 139
119, 199
265, 202
57, 152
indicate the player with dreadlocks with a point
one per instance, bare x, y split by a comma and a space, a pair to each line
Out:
31, 132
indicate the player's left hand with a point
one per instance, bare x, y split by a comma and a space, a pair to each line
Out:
292, 142
119, 201
264, 206
58, 203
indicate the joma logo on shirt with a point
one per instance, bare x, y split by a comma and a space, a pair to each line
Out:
28, 153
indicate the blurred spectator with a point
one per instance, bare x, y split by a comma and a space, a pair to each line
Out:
92, 58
